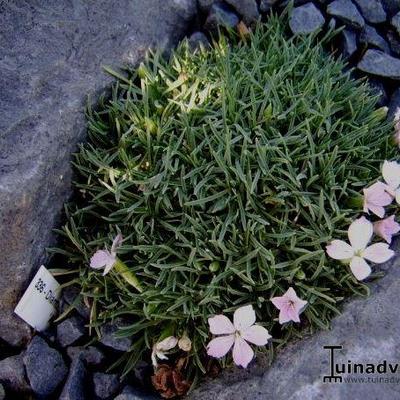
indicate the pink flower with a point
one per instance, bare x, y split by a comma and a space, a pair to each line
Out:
360, 233
242, 330
376, 198
106, 259
289, 305
386, 228
391, 175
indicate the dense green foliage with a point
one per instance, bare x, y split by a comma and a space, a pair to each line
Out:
227, 171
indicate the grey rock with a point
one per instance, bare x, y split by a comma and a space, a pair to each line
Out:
2, 392
52, 53
70, 330
74, 388
131, 393
246, 8
391, 6
394, 105
306, 19
12, 374
378, 63
372, 10
72, 296
220, 16
266, 5
368, 332
370, 37
378, 89
349, 42
91, 355
105, 385
205, 5
346, 11
45, 367
109, 339
394, 41
396, 22
197, 40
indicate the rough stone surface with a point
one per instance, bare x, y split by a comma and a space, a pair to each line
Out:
391, 6
246, 8
105, 385
52, 53
91, 355
396, 22
220, 16
346, 11
378, 63
368, 330
372, 10
198, 39
131, 393
306, 19
45, 367
109, 339
70, 330
75, 386
349, 42
394, 42
370, 37
12, 374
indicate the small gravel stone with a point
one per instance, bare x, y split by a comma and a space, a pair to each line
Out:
346, 11
108, 338
12, 374
105, 385
45, 367
349, 42
2, 392
70, 330
74, 388
394, 104
246, 8
220, 16
370, 37
266, 5
130, 393
396, 22
91, 355
372, 10
198, 39
306, 19
394, 41
378, 63
391, 6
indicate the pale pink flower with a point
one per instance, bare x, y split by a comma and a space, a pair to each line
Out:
104, 258
359, 233
391, 175
386, 228
160, 349
289, 305
376, 198
242, 330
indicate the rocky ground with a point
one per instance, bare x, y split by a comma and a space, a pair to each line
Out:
52, 54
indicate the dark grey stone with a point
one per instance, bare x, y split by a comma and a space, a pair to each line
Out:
75, 386
370, 37
105, 385
12, 374
391, 6
246, 8
378, 89
52, 53
205, 5
378, 63
394, 105
220, 16
306, 19
70, 330
198, 39
394, 42
72, 296
349, 46
368, 330
396, 22
372, 10
108, 338
266, 5
45, 367
346, 11
131, 393
91, 355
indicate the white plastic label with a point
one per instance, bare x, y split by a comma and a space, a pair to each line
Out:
38, 304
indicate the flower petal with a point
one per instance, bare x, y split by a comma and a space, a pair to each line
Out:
219, 346
339, 250
244, 317
391, 174
100, 259
360, 233
242, 352
378, 253
167, 344
397, 195
220, 325
279, 302
256, 334
360, 268
116, 243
